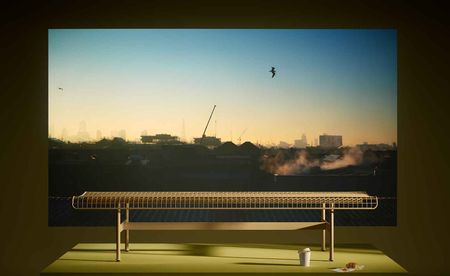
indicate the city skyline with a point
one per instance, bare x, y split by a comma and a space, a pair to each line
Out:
341, 82
83, 135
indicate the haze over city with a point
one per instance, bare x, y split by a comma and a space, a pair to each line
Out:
150, 81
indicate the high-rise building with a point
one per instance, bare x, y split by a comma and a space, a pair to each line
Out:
302, 143
99, 135
183, 132
82, 135
123, 134
64, 134
330, 141
51, 131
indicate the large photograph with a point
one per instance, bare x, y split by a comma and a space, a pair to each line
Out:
222, 110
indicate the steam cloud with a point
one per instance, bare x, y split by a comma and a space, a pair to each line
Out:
303, 163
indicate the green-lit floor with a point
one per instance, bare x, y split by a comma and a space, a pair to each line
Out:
215, 258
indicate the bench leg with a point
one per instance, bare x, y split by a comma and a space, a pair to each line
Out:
118, 235
332, 233
127, 232
324, 231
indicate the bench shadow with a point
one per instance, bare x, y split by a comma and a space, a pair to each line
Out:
109, 250
249, 263
88, 260
212, 255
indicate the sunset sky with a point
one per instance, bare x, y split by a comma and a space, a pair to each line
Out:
328, 81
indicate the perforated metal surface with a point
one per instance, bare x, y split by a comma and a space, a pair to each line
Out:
225, 200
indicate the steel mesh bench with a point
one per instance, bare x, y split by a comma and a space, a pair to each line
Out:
322, 201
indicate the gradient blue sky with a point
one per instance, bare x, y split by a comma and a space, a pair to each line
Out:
328, 81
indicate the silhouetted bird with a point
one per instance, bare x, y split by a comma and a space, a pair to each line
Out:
59, 88
273, 71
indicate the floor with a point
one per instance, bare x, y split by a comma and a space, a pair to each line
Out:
167, 258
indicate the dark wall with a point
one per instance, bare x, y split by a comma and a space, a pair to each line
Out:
28, 244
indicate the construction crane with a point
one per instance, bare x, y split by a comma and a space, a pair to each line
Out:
203, 136
243, 132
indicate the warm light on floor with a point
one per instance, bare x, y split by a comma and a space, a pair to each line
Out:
216, 258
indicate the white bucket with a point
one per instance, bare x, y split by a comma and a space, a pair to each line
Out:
305, 257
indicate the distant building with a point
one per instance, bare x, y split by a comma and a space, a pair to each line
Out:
284, 145
99, 135
330, 141
51, 131
123, 134
64, 135
162, 139
82, 135
209, 141
302, 143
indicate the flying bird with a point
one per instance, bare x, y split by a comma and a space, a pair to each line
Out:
59, 88
273, 72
